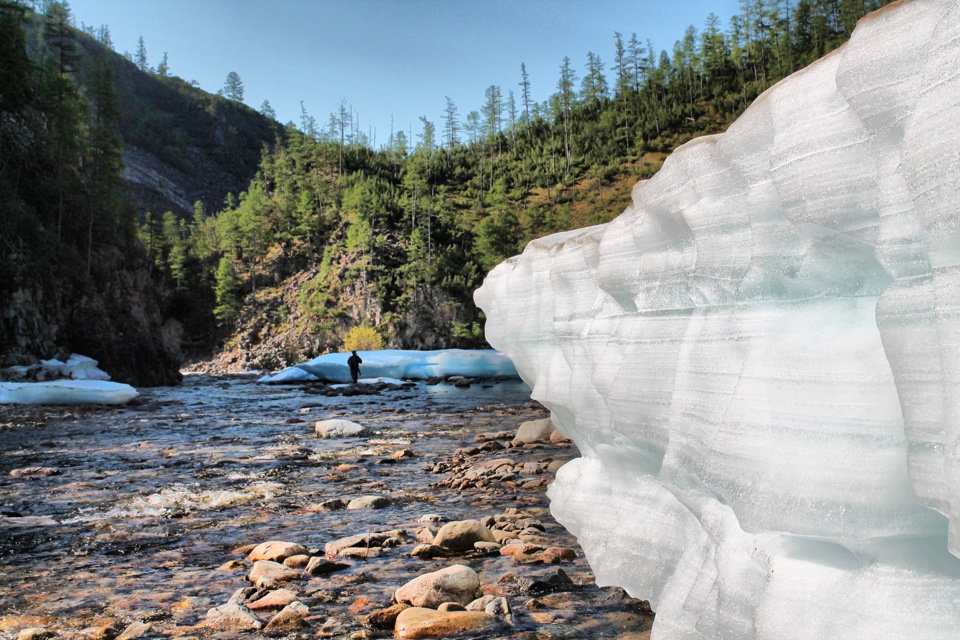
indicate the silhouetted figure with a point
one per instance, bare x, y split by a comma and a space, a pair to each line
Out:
354, 363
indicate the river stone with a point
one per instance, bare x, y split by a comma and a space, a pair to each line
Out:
368, 502
450, 606
319, 566
462, 534
339, 429
418, 622
35, 633
457, 583
276, 550
136, 630
266, 574
274, 600
231, 616
34, 472
290, 618
534, 431
428, 551
384, 619
297, 561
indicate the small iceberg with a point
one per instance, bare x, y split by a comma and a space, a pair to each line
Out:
402, 365
66, 392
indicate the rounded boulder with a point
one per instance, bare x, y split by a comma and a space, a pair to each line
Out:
457, 583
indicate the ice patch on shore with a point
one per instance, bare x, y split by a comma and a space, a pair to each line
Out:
66, 392
401, 365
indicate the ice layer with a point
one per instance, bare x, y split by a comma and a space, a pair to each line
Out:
759, 360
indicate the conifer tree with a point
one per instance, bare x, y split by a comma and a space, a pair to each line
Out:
140, 57
233, 87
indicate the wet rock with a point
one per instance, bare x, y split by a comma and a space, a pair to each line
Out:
426, 535
457, 583
35, 633
379, 539
385, 618
429, 551
480, 603
516, 548
534, 431
103, 631
554, 555
291, 618
503, 536
418, 622
404, 453
500, 609
233, 616
368, 502
431, 517
487, 548
276, 550
267, 574
244, 550
34, 472
297, 561
136, 630
320, 566
357, 552
232, 565
274, 600
339, 429
335, 504
461, 535
450, 606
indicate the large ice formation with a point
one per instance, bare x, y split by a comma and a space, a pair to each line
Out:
401, 364
760, 358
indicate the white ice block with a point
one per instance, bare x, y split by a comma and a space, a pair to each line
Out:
759, 360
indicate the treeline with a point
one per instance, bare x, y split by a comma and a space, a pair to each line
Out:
70, 263
432, 215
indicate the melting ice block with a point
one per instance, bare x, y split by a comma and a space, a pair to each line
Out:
760, 358
66, 392
403, 365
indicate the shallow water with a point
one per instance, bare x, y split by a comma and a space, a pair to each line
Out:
150, 499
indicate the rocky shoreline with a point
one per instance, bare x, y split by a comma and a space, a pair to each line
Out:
482, 558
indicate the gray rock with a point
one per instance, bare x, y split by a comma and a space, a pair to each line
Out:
233, 616
368, 502
319, 566
461, 535
291, 618
339, 429
276, 550
267, 574
457, 583
534, 431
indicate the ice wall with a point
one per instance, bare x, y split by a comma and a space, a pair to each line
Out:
760, 358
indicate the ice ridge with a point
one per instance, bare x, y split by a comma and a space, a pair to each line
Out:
759, 360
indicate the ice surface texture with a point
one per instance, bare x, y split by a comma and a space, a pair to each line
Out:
760, 358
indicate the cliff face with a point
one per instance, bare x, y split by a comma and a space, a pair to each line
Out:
117, 322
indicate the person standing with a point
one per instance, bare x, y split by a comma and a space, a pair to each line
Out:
354, 362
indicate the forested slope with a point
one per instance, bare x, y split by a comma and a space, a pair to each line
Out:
332, 234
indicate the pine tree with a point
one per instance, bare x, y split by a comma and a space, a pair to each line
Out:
140, 57
163, 69
451, 126
233, 87
267, 111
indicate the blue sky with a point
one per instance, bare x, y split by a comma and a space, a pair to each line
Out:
386, 58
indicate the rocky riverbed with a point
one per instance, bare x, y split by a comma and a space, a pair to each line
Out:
215, 510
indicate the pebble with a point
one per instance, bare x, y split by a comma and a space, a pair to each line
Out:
456, 583
136, 630
276, 550
462, 534
385, 618
291, 618
368, 502
274, 600
266, 574
34, 472
418, 622
534, 431
297, 561
319, 566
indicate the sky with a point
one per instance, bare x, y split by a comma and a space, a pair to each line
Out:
391, 60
